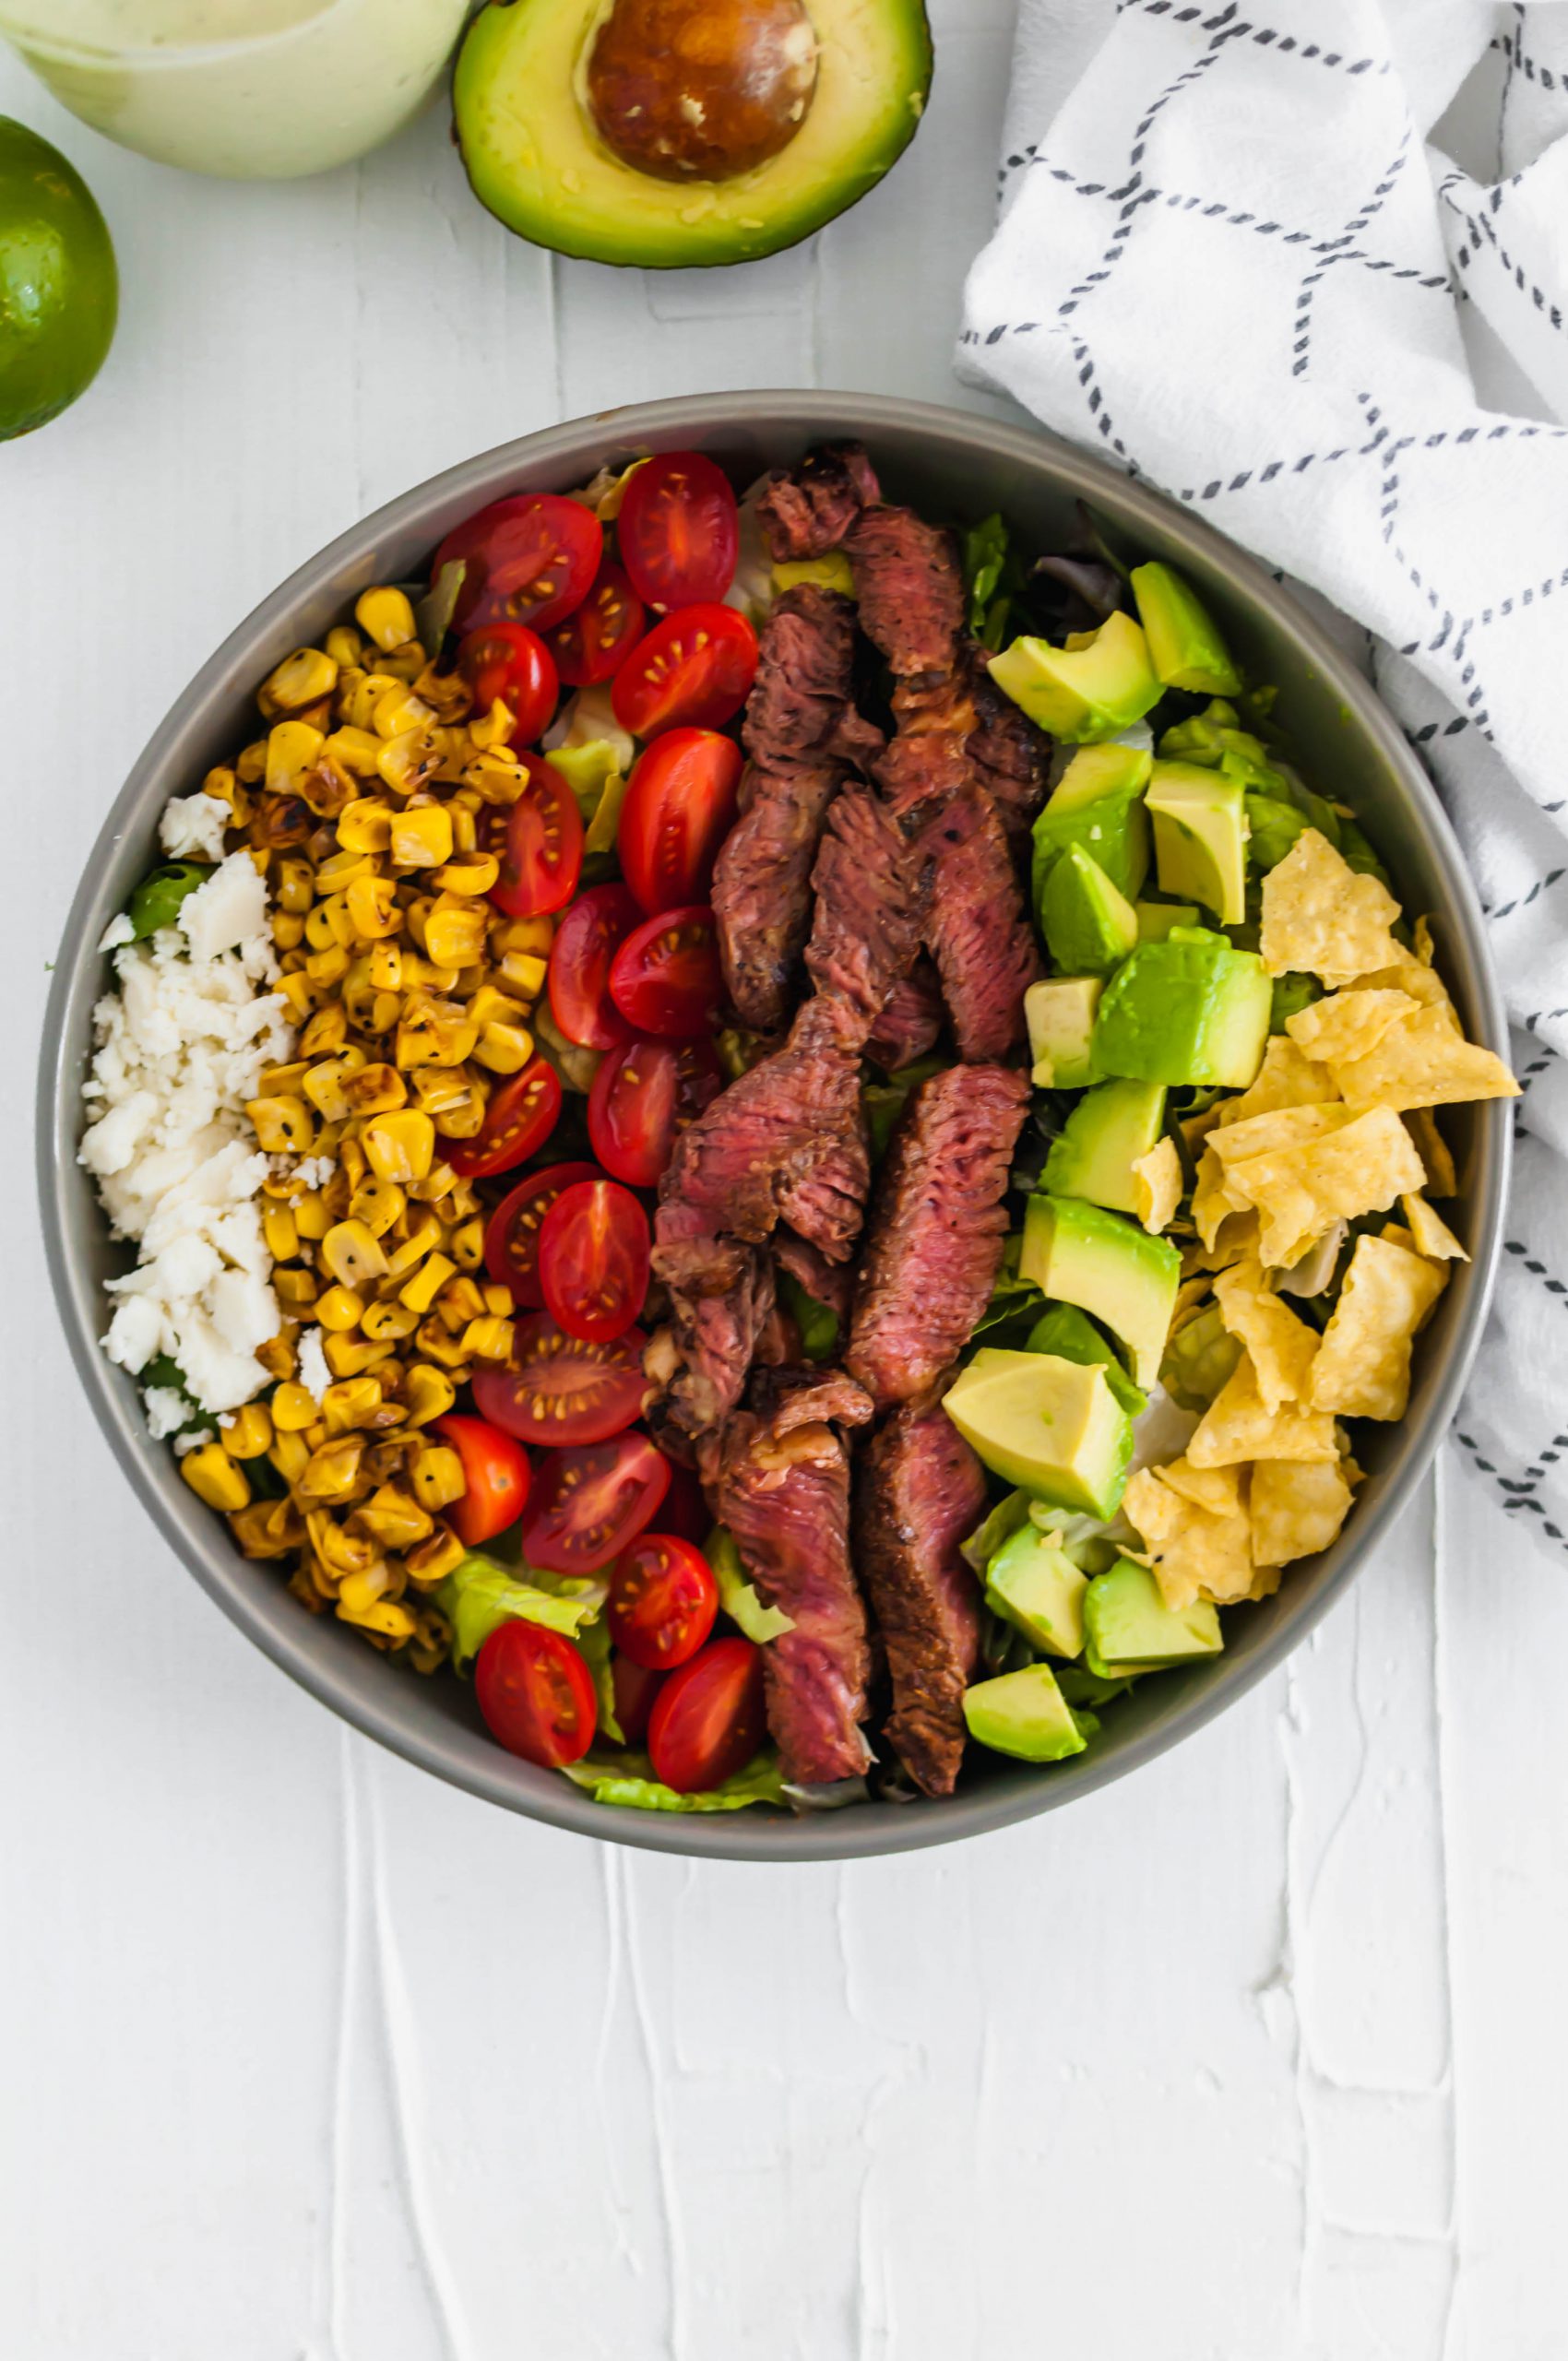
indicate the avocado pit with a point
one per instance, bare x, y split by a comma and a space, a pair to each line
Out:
701, 89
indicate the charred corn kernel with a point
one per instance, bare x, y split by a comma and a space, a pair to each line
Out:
384, 616
320, 932
493, 729
352, 1253
288, 931
344, 644
447, 693
406, 660
351, 1403
437, 1183
359, 693
371, 1011
453, 932
384, 1618
358, 1594
410, 761
293, 884
388, 1323
522, 934
327, 968
332, 1473
327, 1031
300, 680
383, 968
349, 1357
310, 1218
423, 1234
488, 1340
497, 1300
496, 777
475, 873
340, 1187
357, 753
216, 1479
489, 1006
524, 972
295, 1288
288, 1451
222, 784
421, 837
250, 766
377, 1090
372, 906
460, 1301
466, 1246
438, 1088
281, 1232
433, 1340
433, 1033
365, 826
266, 1529
421, 1290
339, 871
283, 1082
438, 1477
340, 920
464, 1119
379, 1203
428, 1393
400, 1147
398, 712
352, 1170
465, 832
341, 1551
293, 749
326, 789
504, 1049
293, 1409
394, 1520
250, 1433
341, 1308
282, 1126
434, 1560
299, 992
277, 1355
326, 1083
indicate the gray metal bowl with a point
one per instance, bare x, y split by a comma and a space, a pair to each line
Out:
946, 463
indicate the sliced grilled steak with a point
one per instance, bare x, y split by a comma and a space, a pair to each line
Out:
1010, 756
911, 1019
979, 929
720, 1304
908, 586
807, 509
782, 1487
872, 891
936, 1230
801, 695
919, 1490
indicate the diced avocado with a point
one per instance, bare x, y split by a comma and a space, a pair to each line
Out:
830, 573
1273, 827
1099, 803
1156, 918
1291, 993
1192, 1009
555, 150
1052, 1426
1109, 1268
1129, 1628
1109, 1128
1085, 692
1183, 639
1034, 1585
1060, 1014
1072, 1334
1023, 1714
1200, 837
1087, 923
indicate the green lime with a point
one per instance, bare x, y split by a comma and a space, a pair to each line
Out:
59, 289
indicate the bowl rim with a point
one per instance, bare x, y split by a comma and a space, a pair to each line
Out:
228, 1579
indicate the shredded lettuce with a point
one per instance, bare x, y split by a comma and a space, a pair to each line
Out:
1015, 1303
818, 1323
884, 1101
999, 1526
627, 1780
477, 1596
597, 778
1198, 1359
985, 554
575, 1066
739, 1597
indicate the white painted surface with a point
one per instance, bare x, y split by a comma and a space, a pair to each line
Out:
1258, 2056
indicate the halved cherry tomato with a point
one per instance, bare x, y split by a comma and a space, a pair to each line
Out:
518, 1122
634, 1690
561, 1389
695, 667
662, 1601
508, 661
585, 942
666, 979
529, 559
680, 807
640, 1096
679, 529
594, 641
593, 1259
589, 1505
495, 1469
536, 1693
511, 1234
684, 1509
708, 1720
541, 848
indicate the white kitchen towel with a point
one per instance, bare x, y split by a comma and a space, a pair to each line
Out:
1231, 257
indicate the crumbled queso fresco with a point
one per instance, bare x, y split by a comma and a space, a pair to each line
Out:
181, 1048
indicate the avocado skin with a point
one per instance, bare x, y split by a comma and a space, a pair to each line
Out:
521, 132
1192, 1009
1025, 1713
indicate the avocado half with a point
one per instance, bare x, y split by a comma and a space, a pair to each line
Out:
535, 158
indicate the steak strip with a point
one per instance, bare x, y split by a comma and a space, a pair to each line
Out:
979, 931
919, 1490
937, 1229
782, 1487
806, 510
872, 894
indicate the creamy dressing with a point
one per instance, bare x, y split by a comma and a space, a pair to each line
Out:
247, 89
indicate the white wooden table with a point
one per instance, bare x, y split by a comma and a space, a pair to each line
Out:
1259, 2055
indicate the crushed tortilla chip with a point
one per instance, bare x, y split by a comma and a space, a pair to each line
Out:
1362, 1369
1237, 1234
1423, 1061
1412, 978
1191, 1298
1434, 1152
1359, 1167
1212, 1201
1430, 1233
1321, 915
1218, 1490
1279, 1346
1286, 1077
1194, 1553
1298, 1508
1157, 1184
1238, 1425
1195, 1129
1346, 1024
1421, 938
1283, 1127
